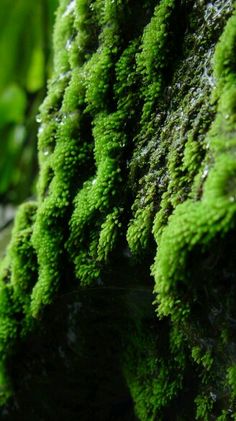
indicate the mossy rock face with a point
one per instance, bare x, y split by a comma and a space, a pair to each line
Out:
137, 174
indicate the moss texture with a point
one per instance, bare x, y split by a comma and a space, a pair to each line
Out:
137, 158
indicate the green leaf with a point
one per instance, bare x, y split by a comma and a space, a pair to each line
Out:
12, 105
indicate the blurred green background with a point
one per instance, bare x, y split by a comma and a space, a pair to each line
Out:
25, 54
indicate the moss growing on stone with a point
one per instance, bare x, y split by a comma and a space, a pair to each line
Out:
137, 146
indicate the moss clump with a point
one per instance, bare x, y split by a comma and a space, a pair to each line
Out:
195, 223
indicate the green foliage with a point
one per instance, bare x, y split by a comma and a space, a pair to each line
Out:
24, 51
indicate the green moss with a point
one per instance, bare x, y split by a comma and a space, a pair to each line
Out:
137, 141
108, 234
153, 379
204, 407
206, 359
197, 222
23, 260
152, 59
100, 193
232, 379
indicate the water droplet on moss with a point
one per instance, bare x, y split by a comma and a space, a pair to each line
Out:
46, 151
70, 9
69, 44
64, 75
205, 172
213, 396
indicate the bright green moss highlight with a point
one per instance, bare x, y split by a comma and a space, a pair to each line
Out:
108, 234
152, 58
136, 143
231, 377
22, 254
139, 231
204, 407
